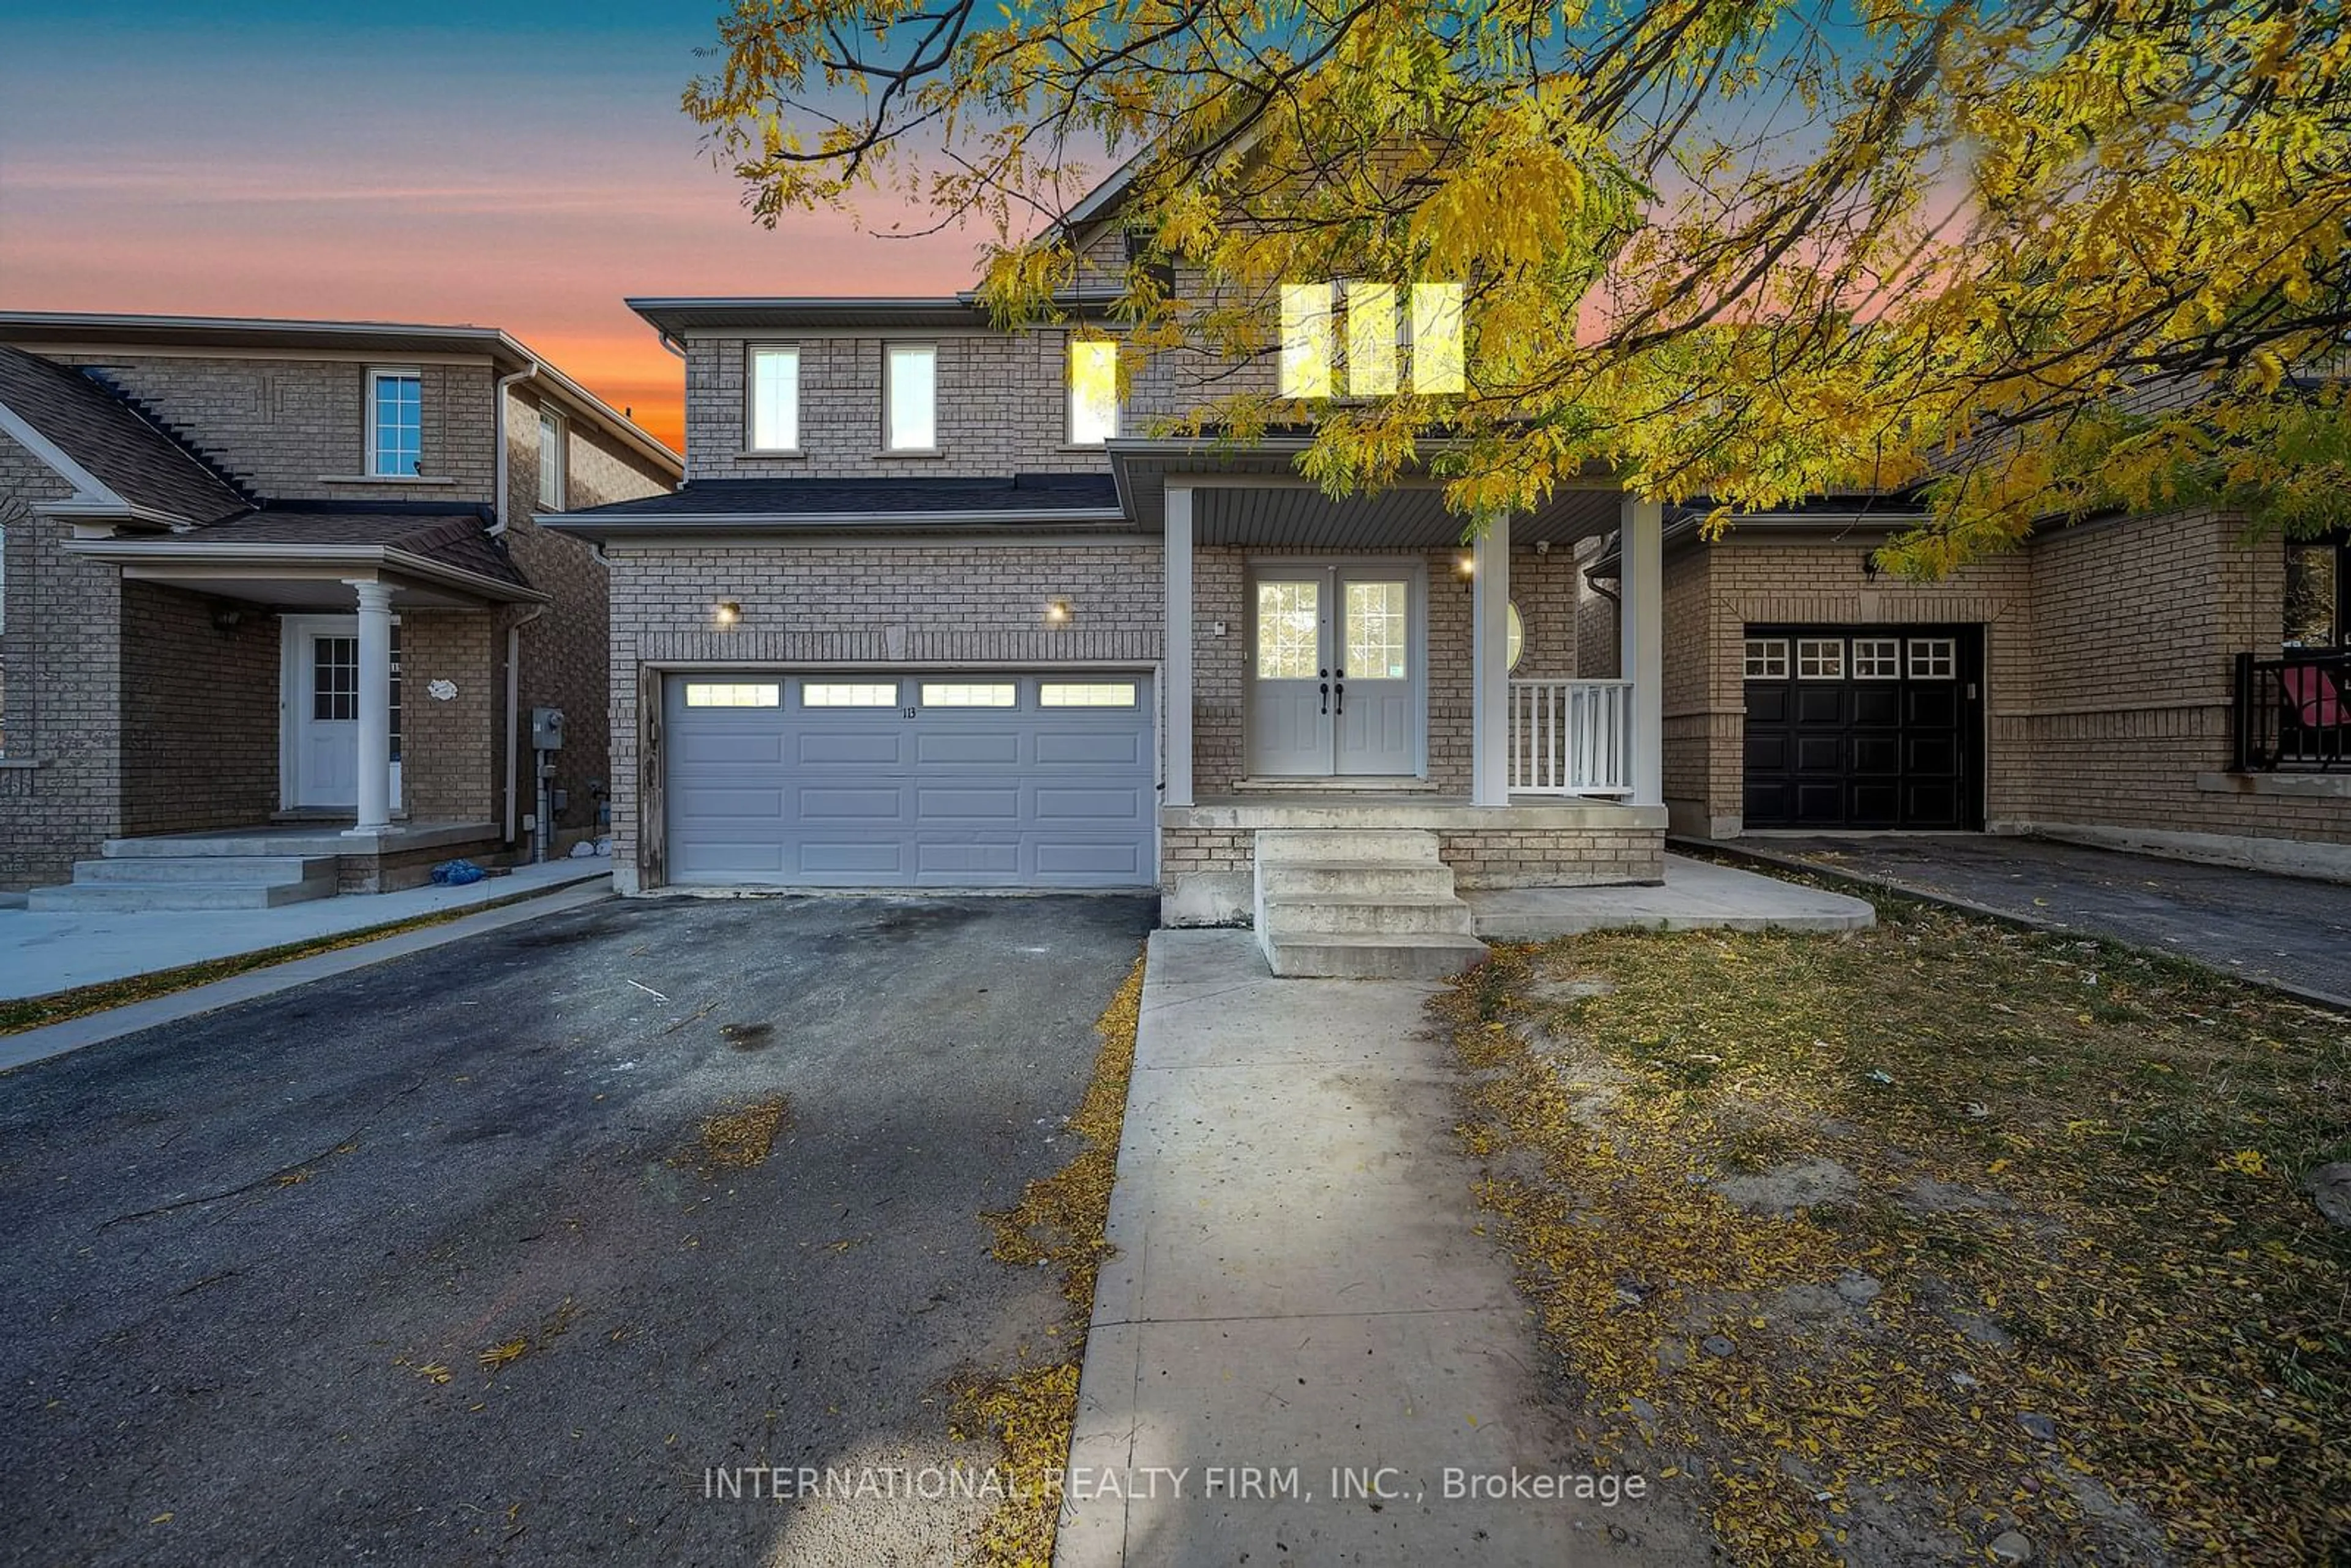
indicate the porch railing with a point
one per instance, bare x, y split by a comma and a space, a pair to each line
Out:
2293, 713
1572, 737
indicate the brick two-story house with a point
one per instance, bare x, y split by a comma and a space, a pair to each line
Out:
276, 613
936, 608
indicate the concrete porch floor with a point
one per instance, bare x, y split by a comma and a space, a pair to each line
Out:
1696, 896
304, 838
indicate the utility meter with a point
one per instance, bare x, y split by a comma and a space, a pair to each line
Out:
547, 729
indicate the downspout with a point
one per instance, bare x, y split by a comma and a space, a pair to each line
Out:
514, 640
514, 713
498, 420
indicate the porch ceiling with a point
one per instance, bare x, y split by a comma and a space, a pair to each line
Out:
1255, 496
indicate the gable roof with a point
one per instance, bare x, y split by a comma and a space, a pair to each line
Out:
100, 432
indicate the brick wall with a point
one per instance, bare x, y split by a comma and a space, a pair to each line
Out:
862, 605
563, 653
447, 748
2107, 658
2136, 624
59, 670
199, 710
1002, 405
283, 427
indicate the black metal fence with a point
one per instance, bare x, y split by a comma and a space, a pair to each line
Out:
2293, 713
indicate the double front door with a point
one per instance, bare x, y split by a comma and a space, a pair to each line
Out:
1335, 676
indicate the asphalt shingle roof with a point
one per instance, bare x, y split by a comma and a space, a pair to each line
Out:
119, 446
1016, 494
458, 539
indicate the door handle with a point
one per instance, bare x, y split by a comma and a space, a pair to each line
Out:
1326, 696
1340, 696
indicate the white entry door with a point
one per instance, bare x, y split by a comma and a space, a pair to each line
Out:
1335, 672
319, 695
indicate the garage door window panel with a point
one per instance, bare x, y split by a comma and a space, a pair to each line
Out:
733, 694
1086, 694
1877, 658
1820, 659
962, 693
1767, 658
849, 693
1934, 658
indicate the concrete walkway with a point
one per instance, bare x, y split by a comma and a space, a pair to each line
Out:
44, 953
1696, 896
2283, 931
1299, 1287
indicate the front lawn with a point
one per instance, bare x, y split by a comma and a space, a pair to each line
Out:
1939, 1241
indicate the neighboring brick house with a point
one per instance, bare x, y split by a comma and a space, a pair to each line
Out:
2166, 683
263, 594
938, 607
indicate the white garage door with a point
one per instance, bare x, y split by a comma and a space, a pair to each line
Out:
966, 780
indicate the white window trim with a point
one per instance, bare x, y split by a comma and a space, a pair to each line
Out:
1842, 663
890, 348
562, 486
1748, 657
1877, 644
751, 352
377, 373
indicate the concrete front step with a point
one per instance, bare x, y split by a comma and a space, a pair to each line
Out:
1316, 879
127, 897
1389, 846
270, 869
1355, 955
1378, 914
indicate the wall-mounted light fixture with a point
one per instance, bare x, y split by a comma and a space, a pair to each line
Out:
725, 613
227, 619
1869, 568
1466, 567
1057, 613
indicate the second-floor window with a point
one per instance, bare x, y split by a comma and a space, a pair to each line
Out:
1093, 391
910, 411
395, 424
550, 459
775, 399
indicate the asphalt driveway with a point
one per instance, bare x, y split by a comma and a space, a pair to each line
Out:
2290, 931
252, 1262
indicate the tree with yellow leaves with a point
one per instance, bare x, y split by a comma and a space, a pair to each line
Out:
2042, 260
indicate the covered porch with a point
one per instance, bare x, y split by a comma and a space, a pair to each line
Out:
314, 701
1352, 666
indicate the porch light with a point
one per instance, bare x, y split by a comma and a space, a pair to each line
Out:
1869, 568
227, 619
1057, 613
726, 613
1467, 565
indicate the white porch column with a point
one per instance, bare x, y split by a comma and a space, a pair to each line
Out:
1641, 640
1176, 658
375, 709
1490, 657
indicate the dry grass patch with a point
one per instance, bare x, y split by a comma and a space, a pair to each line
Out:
740, 1138
1058, 1223
1909, 1240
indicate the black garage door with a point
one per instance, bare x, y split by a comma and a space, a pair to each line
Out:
1864, 727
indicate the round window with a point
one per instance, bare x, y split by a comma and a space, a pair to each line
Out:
1517, 644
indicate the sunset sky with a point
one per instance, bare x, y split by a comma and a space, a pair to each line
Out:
523, 166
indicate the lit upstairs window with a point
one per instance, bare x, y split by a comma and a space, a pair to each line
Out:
1093, 391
